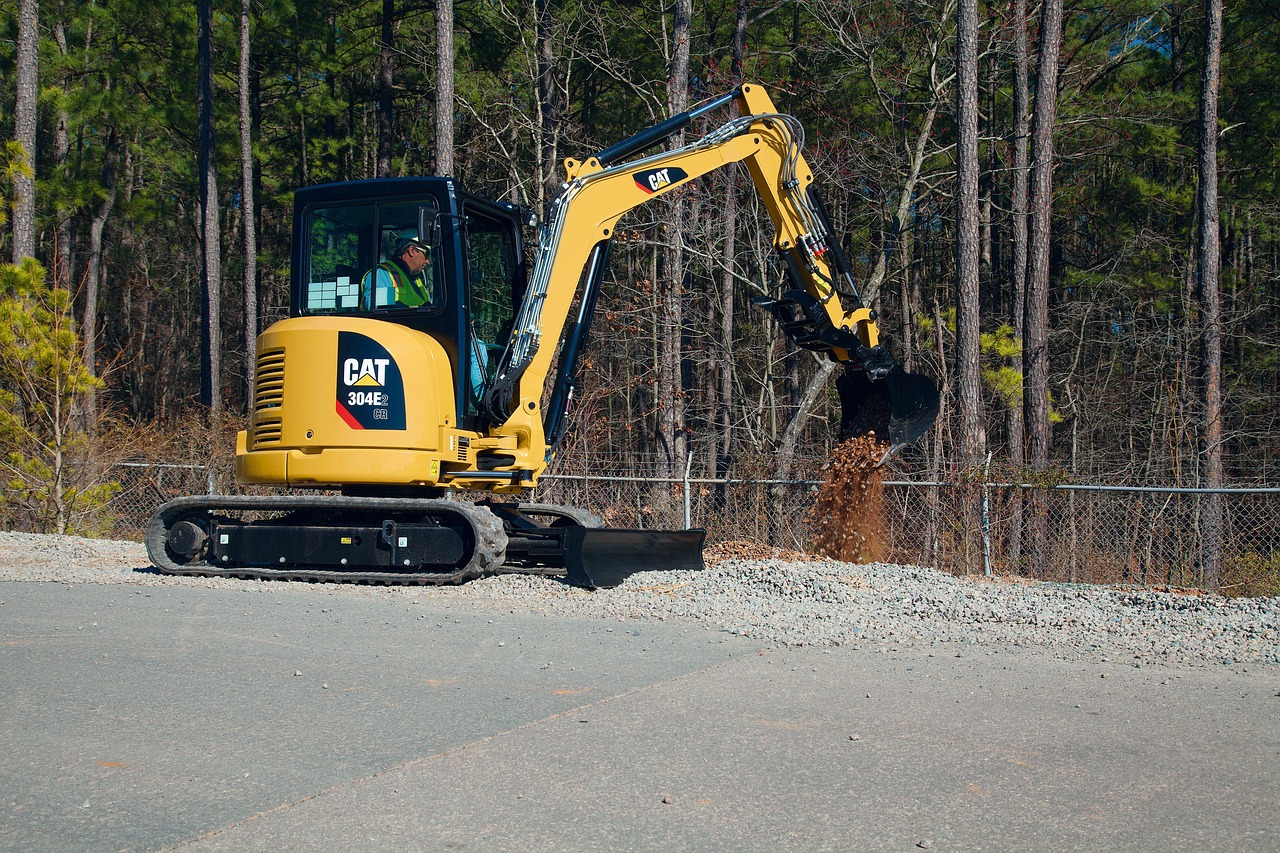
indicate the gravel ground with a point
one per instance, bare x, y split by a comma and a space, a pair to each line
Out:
788, 601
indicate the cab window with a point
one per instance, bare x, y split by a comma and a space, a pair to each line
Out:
351, 264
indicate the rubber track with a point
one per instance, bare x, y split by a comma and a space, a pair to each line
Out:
490, 538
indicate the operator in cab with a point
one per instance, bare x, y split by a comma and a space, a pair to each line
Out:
403, 280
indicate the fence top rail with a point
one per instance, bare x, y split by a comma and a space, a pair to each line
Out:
726, 481
1162, 490
1065, 487
194, 467
679, 480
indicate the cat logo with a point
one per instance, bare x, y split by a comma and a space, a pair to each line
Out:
657, 179
369, 388
367, 372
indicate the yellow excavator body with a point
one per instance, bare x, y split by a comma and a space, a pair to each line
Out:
422, 359
341, 402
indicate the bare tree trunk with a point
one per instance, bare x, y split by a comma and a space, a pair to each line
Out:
61, 150
739, 41
304, 162
248, 209
1018, 279
672, 437
968, 249
988, 257
909, 297
1177, 47
386, 83
24, 131
134, 312
59, 469
211, 269
94, 274
548, 104
1036, 323
335, 160
1036, 328
1210, 297
444, 87
968, 237
724, 366
786, 452
724, 418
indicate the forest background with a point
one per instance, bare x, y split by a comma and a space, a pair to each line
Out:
1061, 211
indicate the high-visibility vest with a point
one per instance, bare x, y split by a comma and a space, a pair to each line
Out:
409, 291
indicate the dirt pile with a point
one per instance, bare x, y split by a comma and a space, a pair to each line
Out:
848, 514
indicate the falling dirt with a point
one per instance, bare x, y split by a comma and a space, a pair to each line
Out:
848, 514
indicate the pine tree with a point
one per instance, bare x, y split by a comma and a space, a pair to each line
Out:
44, 466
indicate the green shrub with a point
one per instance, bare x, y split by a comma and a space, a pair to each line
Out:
46, 465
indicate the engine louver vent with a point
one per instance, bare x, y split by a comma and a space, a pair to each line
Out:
266, 432
268, 382
268, 394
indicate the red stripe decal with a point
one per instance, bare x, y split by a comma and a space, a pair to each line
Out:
347, 416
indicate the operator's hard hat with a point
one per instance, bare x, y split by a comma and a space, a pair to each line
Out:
411, 239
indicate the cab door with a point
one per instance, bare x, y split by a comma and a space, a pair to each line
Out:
495, 275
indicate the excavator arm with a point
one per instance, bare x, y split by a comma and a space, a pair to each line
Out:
821, 310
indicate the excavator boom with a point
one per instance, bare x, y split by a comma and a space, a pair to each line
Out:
821, 309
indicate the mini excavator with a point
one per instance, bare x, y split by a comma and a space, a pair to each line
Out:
392, 407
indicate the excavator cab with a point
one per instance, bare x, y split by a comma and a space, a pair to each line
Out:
346, 264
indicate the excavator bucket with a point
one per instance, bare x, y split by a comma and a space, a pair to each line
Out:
901, 407
603, 557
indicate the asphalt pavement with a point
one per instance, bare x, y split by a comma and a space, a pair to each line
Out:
296, 719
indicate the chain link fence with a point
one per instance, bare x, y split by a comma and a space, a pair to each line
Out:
1149, 537
146, 485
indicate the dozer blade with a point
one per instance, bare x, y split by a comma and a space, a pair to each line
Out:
603, 557
900, 408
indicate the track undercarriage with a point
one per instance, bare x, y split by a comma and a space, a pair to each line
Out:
403, 541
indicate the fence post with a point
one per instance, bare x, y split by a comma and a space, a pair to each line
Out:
688, 517
935, 545
212, 486
1075, 537
986, 518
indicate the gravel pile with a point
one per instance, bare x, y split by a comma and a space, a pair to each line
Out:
787, 601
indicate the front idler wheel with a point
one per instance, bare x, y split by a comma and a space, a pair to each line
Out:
188, 538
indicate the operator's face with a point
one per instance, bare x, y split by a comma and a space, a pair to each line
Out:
415, 259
